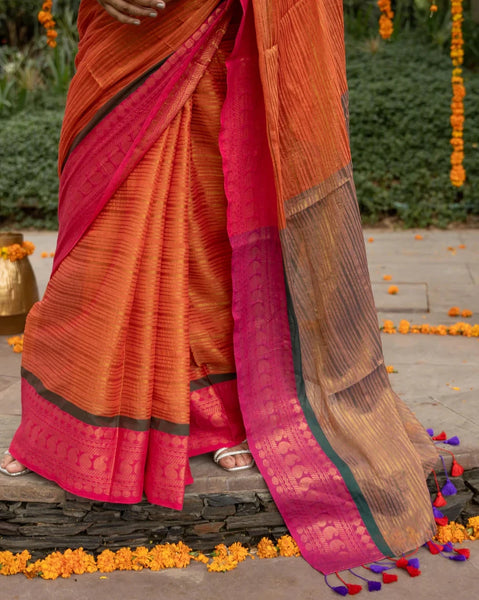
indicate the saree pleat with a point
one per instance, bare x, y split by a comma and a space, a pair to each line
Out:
210, 272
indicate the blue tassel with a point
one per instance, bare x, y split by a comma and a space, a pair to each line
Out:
454, 441
374, 586
448, 547
459, 557
379, 568
413, 562
448, 489
437, 513
339, 589
430, 432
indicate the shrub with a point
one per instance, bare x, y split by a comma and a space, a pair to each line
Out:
28, 182
399, 109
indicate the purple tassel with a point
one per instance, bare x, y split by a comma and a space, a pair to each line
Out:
448, 547
374, 586
379, 568
413, 562
454, 441
340, 589
448, 489
459, 557
430, 432
437, 513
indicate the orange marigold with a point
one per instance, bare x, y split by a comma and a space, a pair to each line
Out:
454, 311
266, 549
387, 277
287, 546
393, 289
466, 313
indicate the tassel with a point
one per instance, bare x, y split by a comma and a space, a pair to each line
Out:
402, 563
379, 568
464, 551
454, 441
440, 437
413, 572
439, 501
353, 589
413, 562
389, 578
457, 470
448, 547
430, 432
434, 548
448, 489
342, 590
437, 513
373, 586
443, 521
458, 557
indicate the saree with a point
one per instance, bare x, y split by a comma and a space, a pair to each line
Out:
210, 281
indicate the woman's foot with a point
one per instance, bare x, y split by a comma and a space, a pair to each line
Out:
236, 458
11, 466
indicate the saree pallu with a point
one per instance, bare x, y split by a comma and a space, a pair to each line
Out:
210, 272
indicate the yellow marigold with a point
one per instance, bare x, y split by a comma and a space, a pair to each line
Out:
266, 549
466, 313
415, 328
106, 561
404, 326
238, 552
454, 311
390, 369
453, 532
393, 289
387, 277
11, 564
123, 558
220, 550
200, 557
473, 528
221, 564
425, 328
441, 330
287, 546
44, 254
475, 330
140, 558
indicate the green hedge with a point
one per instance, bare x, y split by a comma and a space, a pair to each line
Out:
400, 95
28, 177
399, 102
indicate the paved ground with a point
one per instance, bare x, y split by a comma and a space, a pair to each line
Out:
432, 274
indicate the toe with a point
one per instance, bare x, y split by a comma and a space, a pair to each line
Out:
12, 465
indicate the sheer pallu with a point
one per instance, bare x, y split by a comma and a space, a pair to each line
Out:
210, 271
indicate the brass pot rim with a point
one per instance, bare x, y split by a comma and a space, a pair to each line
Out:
10, 237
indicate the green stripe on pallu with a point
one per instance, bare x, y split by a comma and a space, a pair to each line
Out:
343, 468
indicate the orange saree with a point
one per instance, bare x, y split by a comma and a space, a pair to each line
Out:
210, 281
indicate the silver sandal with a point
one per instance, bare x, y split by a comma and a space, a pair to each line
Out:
25, 471
224, 452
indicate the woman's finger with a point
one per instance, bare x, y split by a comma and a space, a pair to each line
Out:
129, 12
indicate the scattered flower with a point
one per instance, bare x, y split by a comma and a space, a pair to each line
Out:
370, 240
418, 236
454, 311
387, 277
266, 549
466, 313
393, 289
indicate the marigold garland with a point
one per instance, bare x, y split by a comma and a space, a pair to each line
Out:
404, 327
386, 27
457, 173
45, 17
176, 556
17, 251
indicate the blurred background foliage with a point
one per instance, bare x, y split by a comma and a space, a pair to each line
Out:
400, 94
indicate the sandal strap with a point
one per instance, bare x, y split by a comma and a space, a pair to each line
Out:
224, 452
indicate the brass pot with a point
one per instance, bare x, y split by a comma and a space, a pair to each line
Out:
18, 288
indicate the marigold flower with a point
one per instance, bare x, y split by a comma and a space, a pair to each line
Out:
266, 549
221, 564
462, 246
287, 546
454, 311
393, 289
106, 561
44, 254
238, 552
466, 313
387, 277
418, 236
404, 326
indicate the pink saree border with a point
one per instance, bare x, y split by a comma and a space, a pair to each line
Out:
307, 487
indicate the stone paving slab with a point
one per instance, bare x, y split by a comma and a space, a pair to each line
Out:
411, 297
271, 579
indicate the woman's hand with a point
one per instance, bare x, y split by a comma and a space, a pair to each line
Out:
130, 11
